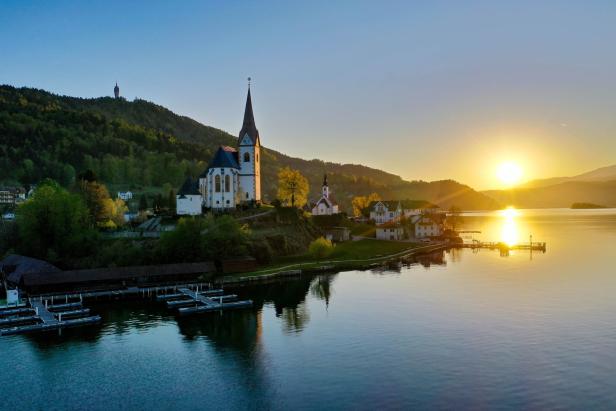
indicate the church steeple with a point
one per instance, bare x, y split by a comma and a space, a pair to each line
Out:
249, 127
325, 187
116, 91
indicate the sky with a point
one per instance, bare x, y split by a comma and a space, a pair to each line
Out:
427, 90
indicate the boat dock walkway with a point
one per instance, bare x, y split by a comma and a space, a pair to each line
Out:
56, 311
534, 246
193, 301
42, 316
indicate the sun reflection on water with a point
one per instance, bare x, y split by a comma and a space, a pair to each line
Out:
510, 233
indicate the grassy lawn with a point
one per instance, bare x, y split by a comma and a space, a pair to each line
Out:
363, 249
344, 254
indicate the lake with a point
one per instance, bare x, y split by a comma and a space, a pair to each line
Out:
465, 329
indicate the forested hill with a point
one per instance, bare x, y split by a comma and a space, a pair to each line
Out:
139, 144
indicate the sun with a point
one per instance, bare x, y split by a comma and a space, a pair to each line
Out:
509, 173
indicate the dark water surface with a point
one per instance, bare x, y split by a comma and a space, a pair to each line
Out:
459, 329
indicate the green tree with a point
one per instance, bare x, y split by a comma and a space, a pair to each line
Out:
54, 224
292, 187
202, 239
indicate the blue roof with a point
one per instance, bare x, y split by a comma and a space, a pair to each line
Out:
225, 157
189, 188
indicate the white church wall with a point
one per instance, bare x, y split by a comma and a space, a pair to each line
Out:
188, 205
222, 195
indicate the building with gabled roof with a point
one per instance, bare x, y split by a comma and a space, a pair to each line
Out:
391, 230
385, 211
326, 205
428, 224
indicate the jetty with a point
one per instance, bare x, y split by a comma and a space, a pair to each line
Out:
39, 315
189, 301
534, 246
48, 312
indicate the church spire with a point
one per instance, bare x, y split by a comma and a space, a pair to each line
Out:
116, 90
249, 127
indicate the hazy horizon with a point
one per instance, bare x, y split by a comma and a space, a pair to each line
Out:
424, 91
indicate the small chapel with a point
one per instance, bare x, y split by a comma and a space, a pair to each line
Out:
233, 176
326, 204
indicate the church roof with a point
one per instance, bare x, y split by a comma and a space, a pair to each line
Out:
249, 127
225, 157
189, 188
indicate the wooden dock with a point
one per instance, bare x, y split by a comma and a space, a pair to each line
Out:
534, 246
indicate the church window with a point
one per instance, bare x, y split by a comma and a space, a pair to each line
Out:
217, 183
227, 183
257, 157
246, 158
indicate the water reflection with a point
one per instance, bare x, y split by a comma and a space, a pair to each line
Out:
510, 233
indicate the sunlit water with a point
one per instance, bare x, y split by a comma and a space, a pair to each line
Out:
463, 329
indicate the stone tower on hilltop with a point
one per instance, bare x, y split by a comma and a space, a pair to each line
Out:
116, 91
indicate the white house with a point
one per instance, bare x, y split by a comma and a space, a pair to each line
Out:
389, 231
233, 176
188, 200
428, 225
326, 205
125, 195
385, 211
412, 208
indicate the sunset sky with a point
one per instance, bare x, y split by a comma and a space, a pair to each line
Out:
426, 90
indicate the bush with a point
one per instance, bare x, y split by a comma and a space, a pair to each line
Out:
320, 248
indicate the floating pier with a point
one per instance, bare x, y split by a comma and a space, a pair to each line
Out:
57, 311
41, 316
193, 301
534, 246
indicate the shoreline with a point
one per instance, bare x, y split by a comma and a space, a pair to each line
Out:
316, 267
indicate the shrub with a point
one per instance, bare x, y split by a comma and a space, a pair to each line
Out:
320, 248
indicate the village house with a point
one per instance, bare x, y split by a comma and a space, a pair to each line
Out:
12, 195
428, 225
325, 205
233, 176
125, 195
390, 231
385, 211
416, 207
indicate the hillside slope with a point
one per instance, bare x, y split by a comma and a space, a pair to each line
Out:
141, 144
598, 175
559, 195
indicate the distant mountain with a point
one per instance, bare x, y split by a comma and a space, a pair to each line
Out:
558, 195
139, 144
600, 174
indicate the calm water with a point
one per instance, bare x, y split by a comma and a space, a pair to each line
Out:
459, 330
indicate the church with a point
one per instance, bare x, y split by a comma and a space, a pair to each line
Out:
232, 178
326, 204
